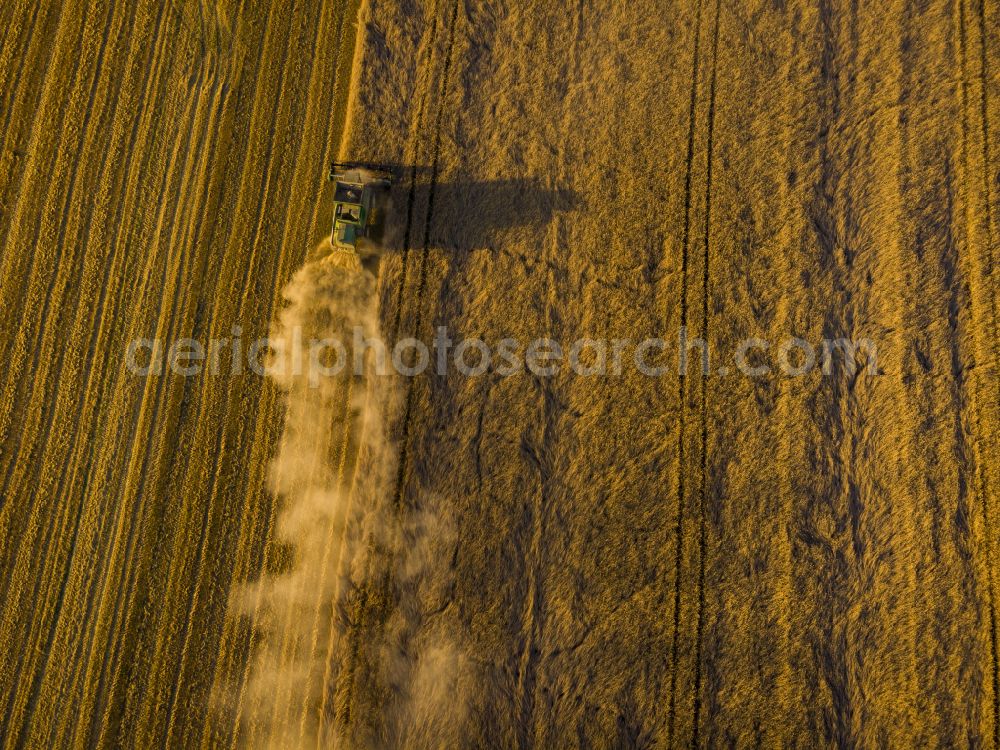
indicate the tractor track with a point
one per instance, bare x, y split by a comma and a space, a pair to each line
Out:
984, 79
985, 505
532, 652
398, 490
682, 382
706, 334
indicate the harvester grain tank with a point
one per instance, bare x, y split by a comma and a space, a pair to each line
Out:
360, 201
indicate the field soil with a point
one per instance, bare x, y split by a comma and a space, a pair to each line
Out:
526, 560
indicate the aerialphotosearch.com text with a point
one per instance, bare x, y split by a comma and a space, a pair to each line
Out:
546, 356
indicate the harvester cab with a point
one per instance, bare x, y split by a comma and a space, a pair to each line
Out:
359, 203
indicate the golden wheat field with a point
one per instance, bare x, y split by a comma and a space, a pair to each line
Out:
734, 484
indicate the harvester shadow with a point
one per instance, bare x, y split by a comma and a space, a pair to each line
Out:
469, 214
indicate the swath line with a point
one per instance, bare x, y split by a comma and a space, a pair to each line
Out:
42, 155
338, 487
112, 270
264, 194
209, 102
89, 404
238, 710
341, 560
124, 235
177, 266
18, 354
12, 83
228, 652
122, 539
12, 708
50, 591
222, 443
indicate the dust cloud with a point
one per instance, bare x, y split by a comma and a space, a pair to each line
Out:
339, 532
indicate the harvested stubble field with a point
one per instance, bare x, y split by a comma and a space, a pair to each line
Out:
531, 560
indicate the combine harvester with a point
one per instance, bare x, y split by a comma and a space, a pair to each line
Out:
360, 204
